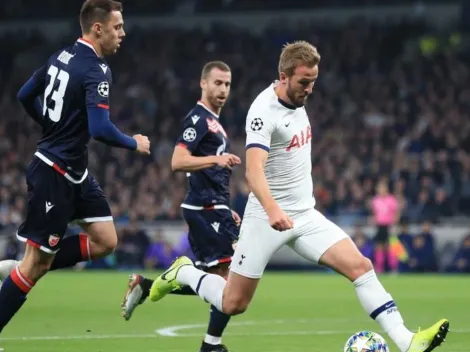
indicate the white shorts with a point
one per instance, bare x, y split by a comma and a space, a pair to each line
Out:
310, 237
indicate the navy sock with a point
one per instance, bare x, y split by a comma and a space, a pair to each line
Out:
12, 296
146, 284
73, 250
217, 323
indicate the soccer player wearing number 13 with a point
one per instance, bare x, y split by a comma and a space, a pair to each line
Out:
75, 84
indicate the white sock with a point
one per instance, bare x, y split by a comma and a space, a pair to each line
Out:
209, 287
212, 340
379, 304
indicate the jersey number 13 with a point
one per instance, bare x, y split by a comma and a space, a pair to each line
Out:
57, 95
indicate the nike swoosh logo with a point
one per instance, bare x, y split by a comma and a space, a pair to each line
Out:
170, 270
165, 273
388, 305
287, 124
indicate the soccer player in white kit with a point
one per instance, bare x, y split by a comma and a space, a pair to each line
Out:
280, 211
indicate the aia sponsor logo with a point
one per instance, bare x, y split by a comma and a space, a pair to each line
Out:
300, 139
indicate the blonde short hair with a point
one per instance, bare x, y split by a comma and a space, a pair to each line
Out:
296, 54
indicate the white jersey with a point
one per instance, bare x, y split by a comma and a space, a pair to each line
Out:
284, 131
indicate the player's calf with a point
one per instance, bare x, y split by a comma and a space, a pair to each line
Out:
345, 258
20, 281
35, 267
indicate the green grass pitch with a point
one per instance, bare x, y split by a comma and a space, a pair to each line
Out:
80, 311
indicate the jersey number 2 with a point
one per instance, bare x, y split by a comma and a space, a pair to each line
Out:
57, 95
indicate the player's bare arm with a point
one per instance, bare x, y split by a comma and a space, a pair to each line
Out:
255, 161
183, 160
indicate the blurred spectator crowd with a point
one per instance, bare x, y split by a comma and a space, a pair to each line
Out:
381, 110
28, 9
416, 252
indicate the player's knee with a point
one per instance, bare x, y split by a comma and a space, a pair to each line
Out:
234, 309
235, 305
108, 245
360, 266
104, 247
367, 265
111, 244
103, 237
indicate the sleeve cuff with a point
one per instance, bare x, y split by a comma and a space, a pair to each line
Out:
182, 145
256, 145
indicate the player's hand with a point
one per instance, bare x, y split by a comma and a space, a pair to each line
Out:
143, 144
236, 217
228, 160
278, 219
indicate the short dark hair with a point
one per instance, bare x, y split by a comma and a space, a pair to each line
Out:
222, 66
97, 11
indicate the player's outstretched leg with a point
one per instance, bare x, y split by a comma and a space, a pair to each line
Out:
231, 297
182, 272
345, 258
21, 280
139, 289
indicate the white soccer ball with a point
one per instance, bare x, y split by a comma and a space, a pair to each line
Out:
366, 341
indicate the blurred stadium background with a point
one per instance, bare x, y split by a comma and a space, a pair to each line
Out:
391, 106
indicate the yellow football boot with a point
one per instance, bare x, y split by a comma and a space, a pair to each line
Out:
166, 282
427, 340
